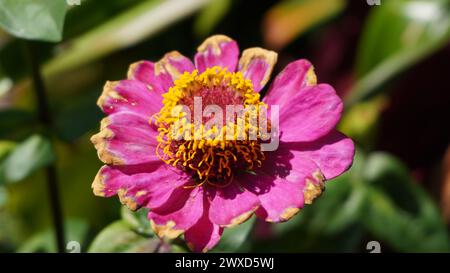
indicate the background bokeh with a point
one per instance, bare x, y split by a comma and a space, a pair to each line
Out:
390, 63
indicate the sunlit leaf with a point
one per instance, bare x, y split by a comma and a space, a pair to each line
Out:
397, 35
127, 29
119, 237
75, 231
5, 147
35, 20
137, 220
233, 239
5, 84
360, 122
290, 18
34, 153
210, 16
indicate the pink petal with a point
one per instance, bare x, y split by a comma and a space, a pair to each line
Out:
159, 76
126, 138
147, 73
294, 77
204, 235
310, 114
174, 64
333, 153
160, 192
280, 199
231, 205
178, 214
281, 184
129, 95
257, 64
217, 50
152, 188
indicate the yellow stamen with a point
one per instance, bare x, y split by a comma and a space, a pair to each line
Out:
210, 155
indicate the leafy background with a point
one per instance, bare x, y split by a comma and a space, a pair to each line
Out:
389, 63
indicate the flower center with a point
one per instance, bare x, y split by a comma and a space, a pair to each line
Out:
222, 137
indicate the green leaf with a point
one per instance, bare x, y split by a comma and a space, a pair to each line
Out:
14, 119
34, 153
76, 117
234, 239
210, 16
290, 18
361, 121
3, 196
11, 230
75, 230
127, 29
5, 147
119, 237
34, 20
397, 35
138, 220
5, 83
178, 249
398, 211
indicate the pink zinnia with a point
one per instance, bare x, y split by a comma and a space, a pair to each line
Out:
196, 187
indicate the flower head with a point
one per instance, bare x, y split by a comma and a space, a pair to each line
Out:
190, 141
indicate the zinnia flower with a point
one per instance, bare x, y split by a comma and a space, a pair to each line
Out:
198, 187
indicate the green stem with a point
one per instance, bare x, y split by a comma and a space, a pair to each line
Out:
45, 118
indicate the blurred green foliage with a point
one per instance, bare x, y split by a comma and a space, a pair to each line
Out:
36, 149
236, 239
119, 237
288, 19
397, 35
75, 231
376, 200
36, 20
210, 16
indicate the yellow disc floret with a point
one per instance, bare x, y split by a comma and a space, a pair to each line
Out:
212, 152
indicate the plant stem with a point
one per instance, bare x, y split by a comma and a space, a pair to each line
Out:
45, 118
